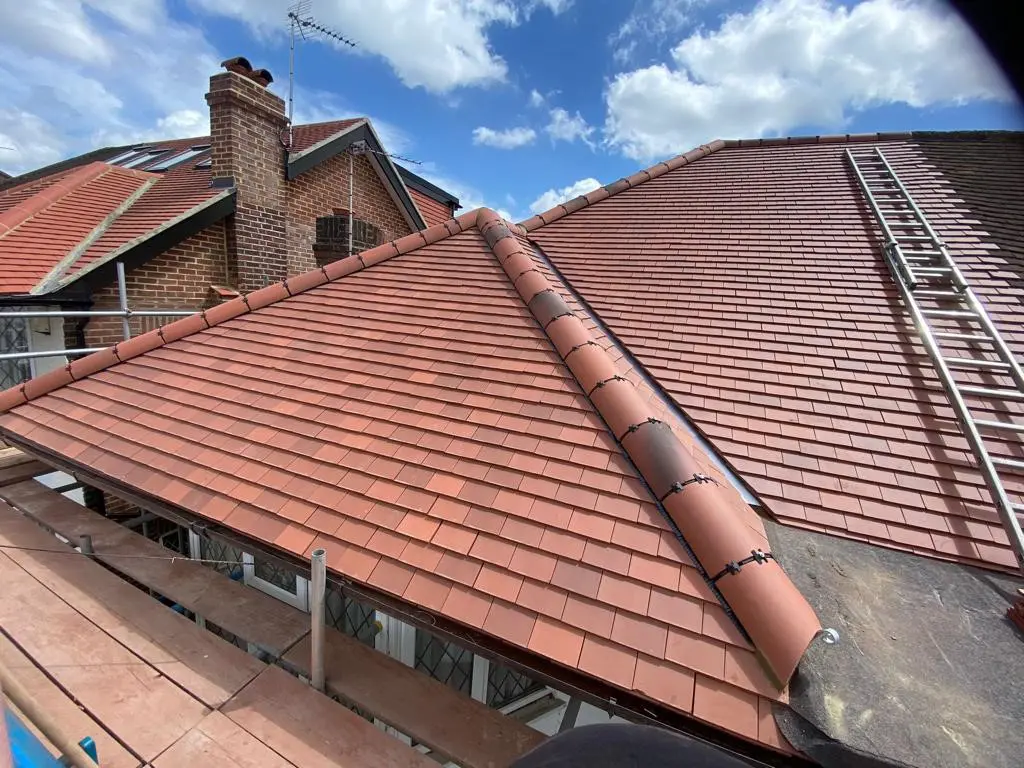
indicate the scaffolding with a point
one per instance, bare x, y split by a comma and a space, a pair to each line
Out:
15, 333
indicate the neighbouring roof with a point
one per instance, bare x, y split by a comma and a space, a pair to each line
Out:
59, 227
51, 249
747, 279
443, 418
436, 205
322, 141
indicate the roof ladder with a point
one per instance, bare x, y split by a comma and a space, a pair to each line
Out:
941, 303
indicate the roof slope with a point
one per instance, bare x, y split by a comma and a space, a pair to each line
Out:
310, 134
417, 420
55, 228
40, 231
433, 212
747, 278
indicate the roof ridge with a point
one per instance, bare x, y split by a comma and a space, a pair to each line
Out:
780, 622
659, 169
62, 267
627, 182
14, 217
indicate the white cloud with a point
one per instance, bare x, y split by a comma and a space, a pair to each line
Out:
509, 138
553, 197
555, 6
435, 44
566, 127
79, 74
469, 196
793, 63
536, 99
27, 142
651, 21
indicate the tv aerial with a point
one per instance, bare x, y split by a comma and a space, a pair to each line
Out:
302, 24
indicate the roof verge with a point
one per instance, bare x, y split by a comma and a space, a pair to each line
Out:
659, 169
779, 621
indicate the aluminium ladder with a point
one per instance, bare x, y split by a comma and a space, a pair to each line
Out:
957, 332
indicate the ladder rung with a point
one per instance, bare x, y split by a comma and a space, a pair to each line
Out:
961, 336
969, 362
1003, 394
948, 312
1000, 425
923, 270
1002, 461
919, 252
906, 224
914, 238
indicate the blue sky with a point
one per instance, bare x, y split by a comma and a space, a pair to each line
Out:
510, 103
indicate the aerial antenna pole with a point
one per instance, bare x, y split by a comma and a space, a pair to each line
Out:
301, 23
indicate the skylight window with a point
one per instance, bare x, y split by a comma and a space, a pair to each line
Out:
123, 156
181, 157
148, 155
206, 162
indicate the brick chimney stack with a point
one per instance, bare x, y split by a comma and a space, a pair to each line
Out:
247, 123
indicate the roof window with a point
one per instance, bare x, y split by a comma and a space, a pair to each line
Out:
181, 157
145, 157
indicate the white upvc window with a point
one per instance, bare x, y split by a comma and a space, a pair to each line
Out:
282, 583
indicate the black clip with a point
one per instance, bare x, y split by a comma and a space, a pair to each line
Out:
679, 485
554, 317
584, 344
634, 427
756, 556
609, 380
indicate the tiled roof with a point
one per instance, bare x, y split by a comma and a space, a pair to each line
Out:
747, 279
54, 228
441, 421
306, 136
27, 263
40, 231
432, 211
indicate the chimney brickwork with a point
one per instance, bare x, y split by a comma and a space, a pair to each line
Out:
246, 125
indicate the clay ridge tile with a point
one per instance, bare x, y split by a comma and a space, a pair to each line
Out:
599, 194
778, 619
839, 138
659, 169
186, 326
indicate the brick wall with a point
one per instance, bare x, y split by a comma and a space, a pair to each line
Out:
325, 187
179, 278
246, 126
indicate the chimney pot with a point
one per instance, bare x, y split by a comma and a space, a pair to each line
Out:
262, 76
240, 65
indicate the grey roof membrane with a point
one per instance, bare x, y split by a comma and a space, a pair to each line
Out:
928, 670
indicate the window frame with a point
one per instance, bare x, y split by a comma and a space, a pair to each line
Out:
298, 599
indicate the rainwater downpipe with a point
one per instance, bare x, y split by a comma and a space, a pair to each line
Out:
350, 190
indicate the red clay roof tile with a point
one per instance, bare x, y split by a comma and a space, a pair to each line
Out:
812, 387
497, 375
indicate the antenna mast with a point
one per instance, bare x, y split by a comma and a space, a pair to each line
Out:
301, 23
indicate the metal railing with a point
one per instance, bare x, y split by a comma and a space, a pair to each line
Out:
125, 313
